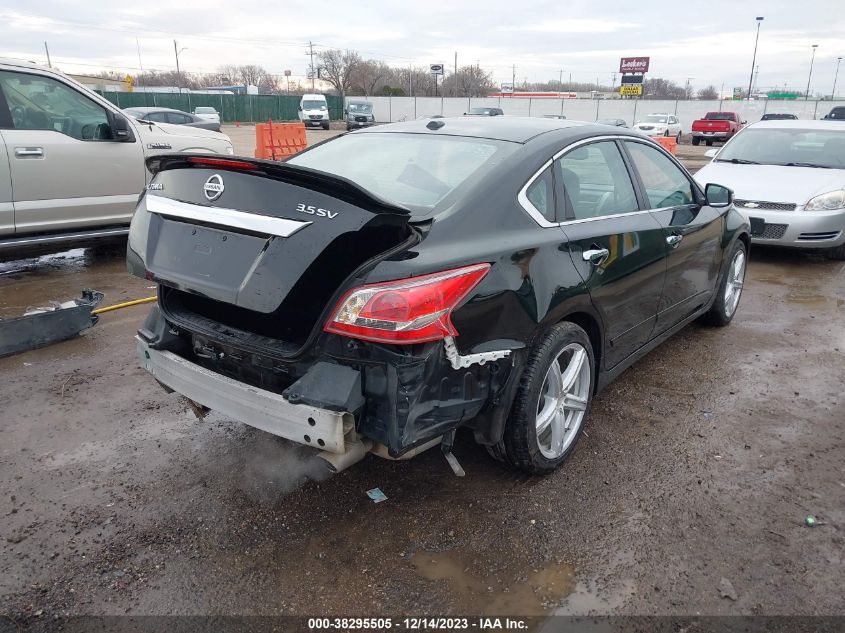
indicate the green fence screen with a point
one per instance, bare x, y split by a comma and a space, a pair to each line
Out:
232, 108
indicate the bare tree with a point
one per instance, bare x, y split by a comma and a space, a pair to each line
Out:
367, 74
229, 74
709, 93
337, 67
472, 81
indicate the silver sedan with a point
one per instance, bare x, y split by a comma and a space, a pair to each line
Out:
175, 117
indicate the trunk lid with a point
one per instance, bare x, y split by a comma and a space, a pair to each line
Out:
273, 241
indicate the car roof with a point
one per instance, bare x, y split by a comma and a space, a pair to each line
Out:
793, 124
508, 128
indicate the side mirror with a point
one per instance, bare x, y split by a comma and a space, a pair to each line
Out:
300, 108
717, 196
711, 153
121, 129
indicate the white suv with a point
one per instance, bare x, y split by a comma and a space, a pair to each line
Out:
71, 164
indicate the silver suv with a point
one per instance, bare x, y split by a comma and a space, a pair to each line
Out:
71, 164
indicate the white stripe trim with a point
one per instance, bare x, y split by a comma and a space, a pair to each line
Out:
263, 224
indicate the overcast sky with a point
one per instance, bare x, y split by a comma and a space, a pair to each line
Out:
712, 41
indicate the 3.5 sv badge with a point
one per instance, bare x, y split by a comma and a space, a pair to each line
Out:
213, 187
312, 210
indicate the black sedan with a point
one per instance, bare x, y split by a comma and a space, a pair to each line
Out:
381, 289
175, 117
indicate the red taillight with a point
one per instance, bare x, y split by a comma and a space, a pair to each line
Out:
221, 162
414, 310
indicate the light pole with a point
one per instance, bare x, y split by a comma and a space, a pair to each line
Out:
754, 59
686, 89
178, 50
810, 76
835, 78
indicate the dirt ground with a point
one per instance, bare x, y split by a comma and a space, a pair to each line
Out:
697, 467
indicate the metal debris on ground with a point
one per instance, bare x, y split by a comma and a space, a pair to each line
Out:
43, 326
376, 495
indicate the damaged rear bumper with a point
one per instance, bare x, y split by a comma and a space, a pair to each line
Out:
271, 412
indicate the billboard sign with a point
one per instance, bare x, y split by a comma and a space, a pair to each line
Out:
633, 65
631, 90
507, 88
436, 69
631, 79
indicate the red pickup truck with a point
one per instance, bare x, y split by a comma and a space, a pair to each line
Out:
716, 126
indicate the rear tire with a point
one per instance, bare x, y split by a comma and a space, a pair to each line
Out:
837, 253
708, 143
730, 288
551, 404
696, 140
666, 133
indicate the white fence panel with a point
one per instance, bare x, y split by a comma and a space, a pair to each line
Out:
631, 110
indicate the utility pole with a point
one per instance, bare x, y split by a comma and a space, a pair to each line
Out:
310, 53
455, 91
753, 59
410, 74
756, 77
835, 78
48, 55
560, 81
686, 89
178, 71
513, 80
810, 76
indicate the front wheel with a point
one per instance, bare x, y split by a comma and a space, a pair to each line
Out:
678, 138
551, 403
730, 288
326, 125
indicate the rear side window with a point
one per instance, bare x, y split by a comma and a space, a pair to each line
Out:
178, 118
540, 194
42, 103
413, 170
665, 184
595, 181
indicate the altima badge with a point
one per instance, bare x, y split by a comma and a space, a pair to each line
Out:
213, 187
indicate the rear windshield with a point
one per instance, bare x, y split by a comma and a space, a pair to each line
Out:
720, 116
480, 110
804, 148
413, 170
204, 110
135, 114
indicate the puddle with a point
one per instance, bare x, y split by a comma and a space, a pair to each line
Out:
478, 589
808, 300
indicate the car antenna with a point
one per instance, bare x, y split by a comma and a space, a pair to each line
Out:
435, 125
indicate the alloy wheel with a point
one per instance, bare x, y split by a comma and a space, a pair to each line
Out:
736, 279
563, 401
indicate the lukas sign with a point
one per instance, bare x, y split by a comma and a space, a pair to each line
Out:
633, 65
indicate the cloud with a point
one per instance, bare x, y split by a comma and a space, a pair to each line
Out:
575, 25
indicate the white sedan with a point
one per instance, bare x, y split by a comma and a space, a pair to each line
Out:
660, 125
208, 113
788, 178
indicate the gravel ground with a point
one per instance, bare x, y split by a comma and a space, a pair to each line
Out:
697, 468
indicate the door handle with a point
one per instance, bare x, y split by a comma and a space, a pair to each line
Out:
596, 255
29, 152
674, 239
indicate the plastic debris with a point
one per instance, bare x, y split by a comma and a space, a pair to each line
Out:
376, 495
810, 521
726, 589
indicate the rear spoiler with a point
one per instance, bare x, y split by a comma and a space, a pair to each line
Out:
335, 186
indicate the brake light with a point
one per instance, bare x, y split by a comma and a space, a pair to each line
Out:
221, 162
414, 310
